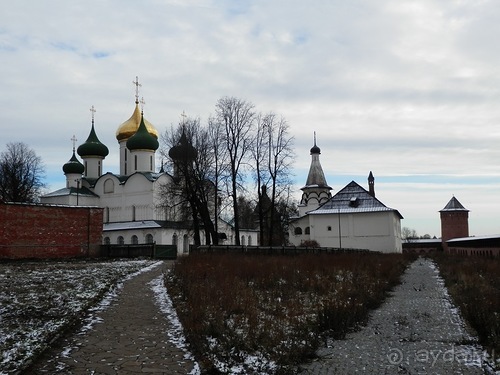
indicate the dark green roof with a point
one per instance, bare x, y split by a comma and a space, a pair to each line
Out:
142, 140
92, 146
73, 166
183, 151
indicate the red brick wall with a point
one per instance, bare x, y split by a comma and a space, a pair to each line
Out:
45, 231
454, 224
481, 251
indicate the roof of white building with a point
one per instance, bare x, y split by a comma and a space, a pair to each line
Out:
352, 199
82, 191
475, 238
145, 224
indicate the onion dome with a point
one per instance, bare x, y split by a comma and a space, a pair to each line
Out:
73, 166
315, 149
129, 127
142, 139
183, 151
92, 146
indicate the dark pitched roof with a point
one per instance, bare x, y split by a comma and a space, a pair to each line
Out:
454, 205
352, 199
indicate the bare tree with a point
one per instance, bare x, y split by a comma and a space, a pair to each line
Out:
272, 157
409, 235
259, 154
219, 165
281, 157
237, 116
191, 158
21, 174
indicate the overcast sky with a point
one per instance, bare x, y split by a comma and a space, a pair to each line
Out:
407, 89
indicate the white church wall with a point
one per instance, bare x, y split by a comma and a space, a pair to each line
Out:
376, 231
371, 230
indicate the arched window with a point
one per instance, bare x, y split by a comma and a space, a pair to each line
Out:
242, 240
298, 230
307, 231
107, 240
134, 240
249, 241
149, 238
109, 186
174, 239
120, 240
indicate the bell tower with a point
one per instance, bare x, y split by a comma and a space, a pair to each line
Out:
316, 191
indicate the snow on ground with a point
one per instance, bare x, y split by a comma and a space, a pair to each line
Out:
38, 300
176, 334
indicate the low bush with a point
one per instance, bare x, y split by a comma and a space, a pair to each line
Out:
266, 314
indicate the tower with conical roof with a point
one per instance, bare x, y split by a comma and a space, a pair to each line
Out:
128, 129
73, 169
454, 221
316, 191
93, 152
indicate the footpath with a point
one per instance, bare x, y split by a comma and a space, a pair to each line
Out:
133, 335
416, 331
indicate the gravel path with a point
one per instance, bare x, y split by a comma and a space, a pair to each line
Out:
416, 331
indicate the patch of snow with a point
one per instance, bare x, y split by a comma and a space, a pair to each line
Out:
176, 334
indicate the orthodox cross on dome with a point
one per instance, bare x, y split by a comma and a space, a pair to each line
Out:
183, 115
137, 85
92, 109
73, 139
315, 138
143, 103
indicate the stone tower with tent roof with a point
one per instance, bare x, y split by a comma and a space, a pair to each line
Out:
316, 191
454, 221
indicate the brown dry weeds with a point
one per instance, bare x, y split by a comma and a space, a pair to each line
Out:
474, 284
276, 308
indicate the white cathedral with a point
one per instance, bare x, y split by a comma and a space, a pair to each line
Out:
351, 219
134, 210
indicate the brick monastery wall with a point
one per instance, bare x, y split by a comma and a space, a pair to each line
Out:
49, 231
477, 251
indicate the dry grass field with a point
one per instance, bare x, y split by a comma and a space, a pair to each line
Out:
265, 314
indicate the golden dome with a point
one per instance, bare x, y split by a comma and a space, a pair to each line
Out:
129, 127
